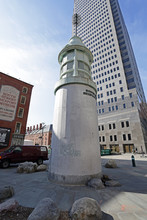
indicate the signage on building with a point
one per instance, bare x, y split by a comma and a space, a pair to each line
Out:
4, 137
8, 102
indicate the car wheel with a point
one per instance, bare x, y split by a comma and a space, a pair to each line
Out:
5, 164
39, 161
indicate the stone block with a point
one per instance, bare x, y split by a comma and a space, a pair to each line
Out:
42, 167
6, 192
86, 209
96, 183
45, 210
9, 205
27, 167
111, 164
112, 183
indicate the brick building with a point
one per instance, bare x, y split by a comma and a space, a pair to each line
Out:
14, 106
39, 135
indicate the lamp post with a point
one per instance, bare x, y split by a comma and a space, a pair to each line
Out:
43, 126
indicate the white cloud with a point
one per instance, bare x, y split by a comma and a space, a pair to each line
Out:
37, 65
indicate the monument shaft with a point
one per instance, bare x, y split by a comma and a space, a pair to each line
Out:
75, 156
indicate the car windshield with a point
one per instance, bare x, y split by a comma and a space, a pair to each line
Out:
10, 149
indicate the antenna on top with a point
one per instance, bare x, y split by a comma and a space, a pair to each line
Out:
76, 21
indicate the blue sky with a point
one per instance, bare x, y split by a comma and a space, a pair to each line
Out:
32, 33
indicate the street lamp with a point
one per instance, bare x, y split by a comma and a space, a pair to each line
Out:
43, 126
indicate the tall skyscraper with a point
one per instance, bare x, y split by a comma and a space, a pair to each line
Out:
122, 108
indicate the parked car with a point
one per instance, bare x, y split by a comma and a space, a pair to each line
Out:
18, 154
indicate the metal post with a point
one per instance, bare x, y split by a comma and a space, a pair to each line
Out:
133, 161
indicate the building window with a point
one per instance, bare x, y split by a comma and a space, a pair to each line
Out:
99, 128
25, 90
17, 128
129, 137
111, 138
122, 124
100, 139
127, 123
132, 104
124, 105
102, 127
130, 94
115, 137
115, 99
121, 89
23, 100
114, 126
103, 138
70, 65
124, 137
110, 126
20, 113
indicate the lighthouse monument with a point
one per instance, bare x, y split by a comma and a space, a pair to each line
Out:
75, 156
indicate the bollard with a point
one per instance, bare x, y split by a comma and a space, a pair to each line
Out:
133, 161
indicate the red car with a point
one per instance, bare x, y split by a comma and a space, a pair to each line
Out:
18, 154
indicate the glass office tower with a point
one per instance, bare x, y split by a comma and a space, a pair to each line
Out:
122, 108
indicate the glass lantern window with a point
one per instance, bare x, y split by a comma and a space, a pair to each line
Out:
80, 65
70, 65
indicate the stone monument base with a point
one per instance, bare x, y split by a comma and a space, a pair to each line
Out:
71, 179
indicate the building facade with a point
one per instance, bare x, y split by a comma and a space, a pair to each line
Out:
15, 98
39, 135
121, 103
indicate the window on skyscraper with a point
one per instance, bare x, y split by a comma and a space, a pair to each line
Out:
121, 89
124, 105
122, 97
130, 94
115, 99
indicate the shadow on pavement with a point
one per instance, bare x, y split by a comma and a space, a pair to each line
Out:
132, 179
106, 216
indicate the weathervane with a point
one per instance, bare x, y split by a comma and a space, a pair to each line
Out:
76, 21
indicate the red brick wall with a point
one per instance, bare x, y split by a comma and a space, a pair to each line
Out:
11, 81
